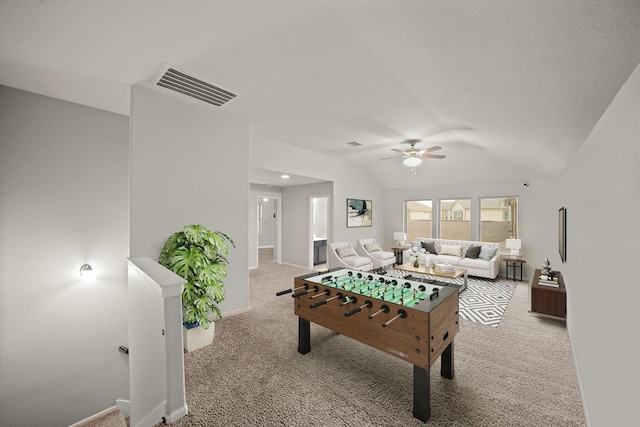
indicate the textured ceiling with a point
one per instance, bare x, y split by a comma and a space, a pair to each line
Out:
521, 84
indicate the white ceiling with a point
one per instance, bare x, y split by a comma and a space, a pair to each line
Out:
520, 83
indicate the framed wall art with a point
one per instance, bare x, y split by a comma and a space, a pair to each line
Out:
562, 233
359, 213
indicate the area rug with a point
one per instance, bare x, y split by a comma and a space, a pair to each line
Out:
485, 301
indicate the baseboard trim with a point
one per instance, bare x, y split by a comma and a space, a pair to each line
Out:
124, 406
154, 417
235, 312
295, 265
94, 417
579, 375
176, 415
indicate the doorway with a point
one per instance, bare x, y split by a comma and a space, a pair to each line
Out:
269, 227
319, 231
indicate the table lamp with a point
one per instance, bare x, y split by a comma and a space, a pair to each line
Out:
400, 237
514, 245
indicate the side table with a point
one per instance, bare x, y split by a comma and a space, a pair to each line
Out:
398, 254
515, 263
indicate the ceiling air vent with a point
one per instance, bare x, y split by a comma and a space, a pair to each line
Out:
181, 82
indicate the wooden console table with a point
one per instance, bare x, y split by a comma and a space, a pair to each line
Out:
549, 300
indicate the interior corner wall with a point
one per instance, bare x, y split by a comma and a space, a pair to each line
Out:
349, 181
189, 165
601, 191
63, 203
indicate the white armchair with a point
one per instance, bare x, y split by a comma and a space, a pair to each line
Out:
370, 249
342, 254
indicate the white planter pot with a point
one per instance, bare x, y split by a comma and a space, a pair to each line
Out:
197, 337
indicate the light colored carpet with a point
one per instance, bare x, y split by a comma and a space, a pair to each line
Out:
519, 374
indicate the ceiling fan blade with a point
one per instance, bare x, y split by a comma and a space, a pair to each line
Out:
395, 149
434, 148
395, 157
433, 156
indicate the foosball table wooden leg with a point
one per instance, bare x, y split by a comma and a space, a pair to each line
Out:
421, 393
304, 336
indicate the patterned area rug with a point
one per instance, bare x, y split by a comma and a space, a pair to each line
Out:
485, 301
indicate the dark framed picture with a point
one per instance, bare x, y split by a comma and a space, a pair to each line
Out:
562, 233
359, 213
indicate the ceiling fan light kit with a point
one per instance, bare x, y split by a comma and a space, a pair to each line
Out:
413, 156
412, 162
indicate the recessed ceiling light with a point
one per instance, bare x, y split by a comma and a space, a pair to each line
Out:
265, 200
284, 176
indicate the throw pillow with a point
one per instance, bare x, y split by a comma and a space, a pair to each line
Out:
455, 250
487, 253
473, 252
345, 252
429, 247
371, 247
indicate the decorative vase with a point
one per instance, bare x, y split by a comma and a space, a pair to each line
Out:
546, 266
416, 264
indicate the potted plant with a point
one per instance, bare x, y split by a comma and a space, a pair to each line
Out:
198, 255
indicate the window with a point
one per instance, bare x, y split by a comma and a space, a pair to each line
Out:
455, 221
498, 219
419, 219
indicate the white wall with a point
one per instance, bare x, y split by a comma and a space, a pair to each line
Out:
63, 203
601, 190
189, 165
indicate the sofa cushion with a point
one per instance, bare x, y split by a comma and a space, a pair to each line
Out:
455, 250
429, 247
345, 252
473, 252
371, 247
449, 259
382, 255
478, 263
487, 253
356, 261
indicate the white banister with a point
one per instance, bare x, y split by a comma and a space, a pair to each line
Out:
156, 358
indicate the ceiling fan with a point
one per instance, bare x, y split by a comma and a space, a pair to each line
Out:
413, 156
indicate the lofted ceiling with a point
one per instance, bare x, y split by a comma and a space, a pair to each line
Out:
509, 89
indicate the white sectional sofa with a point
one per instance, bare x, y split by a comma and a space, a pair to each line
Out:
485, 264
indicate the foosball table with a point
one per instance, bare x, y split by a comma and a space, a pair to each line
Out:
414, 320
